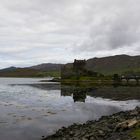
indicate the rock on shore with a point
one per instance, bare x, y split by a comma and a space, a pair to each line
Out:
120, 126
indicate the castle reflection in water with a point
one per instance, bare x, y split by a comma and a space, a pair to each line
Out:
115, 93
79, 95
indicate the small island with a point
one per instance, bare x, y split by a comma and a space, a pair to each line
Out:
78, 72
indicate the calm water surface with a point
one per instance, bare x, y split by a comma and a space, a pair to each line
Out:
30, 109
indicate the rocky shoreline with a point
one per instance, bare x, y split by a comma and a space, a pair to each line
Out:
119, 126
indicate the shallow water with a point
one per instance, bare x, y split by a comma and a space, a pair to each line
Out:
30, 109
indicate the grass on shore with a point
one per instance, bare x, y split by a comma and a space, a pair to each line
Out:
136, 133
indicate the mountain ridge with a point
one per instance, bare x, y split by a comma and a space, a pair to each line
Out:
106, 65
114, 64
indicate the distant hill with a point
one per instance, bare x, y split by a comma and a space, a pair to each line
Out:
41, 70
19, 72
47, 67
106, 65
9, 69
114, 64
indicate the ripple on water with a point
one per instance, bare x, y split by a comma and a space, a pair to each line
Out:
28, 112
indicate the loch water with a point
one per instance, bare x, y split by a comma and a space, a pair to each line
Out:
30, 109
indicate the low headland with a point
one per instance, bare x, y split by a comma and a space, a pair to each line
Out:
124, 125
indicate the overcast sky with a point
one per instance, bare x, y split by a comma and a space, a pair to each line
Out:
58, 31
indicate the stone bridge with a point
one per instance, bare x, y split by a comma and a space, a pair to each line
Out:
132, 77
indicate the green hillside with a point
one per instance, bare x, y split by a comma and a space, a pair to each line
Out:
114, 64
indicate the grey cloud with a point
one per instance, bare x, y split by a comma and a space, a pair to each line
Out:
115, 28
37, 31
